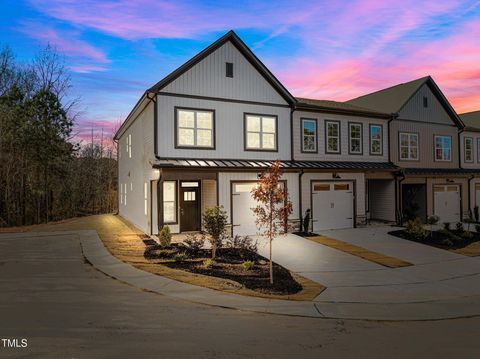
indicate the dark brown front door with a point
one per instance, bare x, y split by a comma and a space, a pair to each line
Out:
189, 206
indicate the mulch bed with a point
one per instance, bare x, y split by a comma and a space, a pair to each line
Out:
228, 265
439, 239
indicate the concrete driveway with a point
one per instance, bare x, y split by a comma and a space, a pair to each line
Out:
436, 274
67, 309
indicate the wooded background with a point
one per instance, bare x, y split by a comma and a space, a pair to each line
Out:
44, 174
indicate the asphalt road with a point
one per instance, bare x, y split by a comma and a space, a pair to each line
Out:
67, 309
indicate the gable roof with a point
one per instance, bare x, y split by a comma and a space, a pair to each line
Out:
471, 120
337, 107
393, 99
244, 50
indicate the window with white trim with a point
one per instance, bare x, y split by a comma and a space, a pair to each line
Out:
261, 132
376, 139
195, 128
443, 148
309, 135
169, 202
468, 145
332, 135
355, 138
478, 149
408, 146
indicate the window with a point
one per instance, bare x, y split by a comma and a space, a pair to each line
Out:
145, 198
128, 147
409, 146
125, 194
443, 148
468, 149
341, 187
261, 132
478, 149
309, 135
195, 128
229, 69
121, 193
169, 202
332, 134
425, 101
355, 138
321, 187
376, 140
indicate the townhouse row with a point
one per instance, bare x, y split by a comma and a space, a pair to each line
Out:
201, 136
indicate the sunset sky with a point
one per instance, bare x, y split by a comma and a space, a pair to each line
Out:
322, 49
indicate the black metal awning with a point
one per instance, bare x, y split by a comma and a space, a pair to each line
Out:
440, 171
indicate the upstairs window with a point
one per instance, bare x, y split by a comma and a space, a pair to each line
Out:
443, 148
355, 138
261, 132
309, 135
332, 134
376, 140
128, 146
408, 146
468, 144
229, 69
195, 128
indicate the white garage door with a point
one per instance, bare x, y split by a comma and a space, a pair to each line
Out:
332, 205
242, 202
447, 202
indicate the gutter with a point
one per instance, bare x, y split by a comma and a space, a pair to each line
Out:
460, 148
470, 194
393, 117
300, 199
397, 195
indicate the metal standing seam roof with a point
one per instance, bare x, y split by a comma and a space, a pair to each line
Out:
440, 171
257, 164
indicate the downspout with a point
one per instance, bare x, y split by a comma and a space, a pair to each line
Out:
291, 133
394, 116
470, 194
398, 199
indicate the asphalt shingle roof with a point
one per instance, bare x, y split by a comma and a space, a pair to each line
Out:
471, 120
335, 105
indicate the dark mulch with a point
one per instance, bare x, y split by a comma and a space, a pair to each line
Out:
306, 234
441, 239
228, 265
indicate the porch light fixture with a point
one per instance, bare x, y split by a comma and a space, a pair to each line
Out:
335, 176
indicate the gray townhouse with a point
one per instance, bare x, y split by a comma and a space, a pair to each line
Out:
201, 136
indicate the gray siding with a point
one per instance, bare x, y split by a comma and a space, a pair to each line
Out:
434, 113
207, 78
229, 129
344, 155
382, 199
426, 133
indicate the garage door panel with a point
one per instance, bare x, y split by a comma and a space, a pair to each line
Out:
447, 202
332, 205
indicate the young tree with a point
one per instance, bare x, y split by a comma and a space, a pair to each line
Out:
215, 220
274, 206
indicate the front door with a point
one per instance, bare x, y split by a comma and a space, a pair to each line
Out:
190, 206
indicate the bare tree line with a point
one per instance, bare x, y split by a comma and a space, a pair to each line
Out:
44, 175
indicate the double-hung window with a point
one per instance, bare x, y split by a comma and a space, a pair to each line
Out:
376, 140
408, 146
260, 132
332, 135
195, 128
355, 138
443, 148
309, 135
169, 202
468, 153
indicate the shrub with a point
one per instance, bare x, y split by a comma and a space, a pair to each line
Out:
215, 220
180, 257
459, 227
467, 235
415, 229
194, 243
477, 228
452, 238
446, 226
208, 263
239, 242
447, 242
165, 236
306, 221
476, 214
432, 220
248, 265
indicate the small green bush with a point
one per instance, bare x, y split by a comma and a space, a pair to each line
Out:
208, 263
248, 265
447, 242
415, 229
459, 227
180, 257
477, 228
446, 226
165, 236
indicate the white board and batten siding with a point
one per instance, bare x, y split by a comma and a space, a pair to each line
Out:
207, 78
135, 171
229, 129
344, 138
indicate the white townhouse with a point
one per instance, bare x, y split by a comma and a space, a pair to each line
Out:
201, 136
